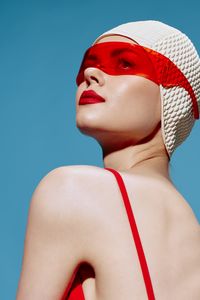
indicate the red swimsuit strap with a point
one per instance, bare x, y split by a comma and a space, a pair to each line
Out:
135, 234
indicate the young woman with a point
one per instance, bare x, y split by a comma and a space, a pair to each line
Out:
123, 231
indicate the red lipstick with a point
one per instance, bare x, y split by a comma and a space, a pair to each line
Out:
90, 97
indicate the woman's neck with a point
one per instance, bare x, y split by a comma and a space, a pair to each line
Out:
148, 158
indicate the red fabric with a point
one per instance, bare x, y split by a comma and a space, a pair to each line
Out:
76, 291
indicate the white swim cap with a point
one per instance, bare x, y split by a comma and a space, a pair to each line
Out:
177, 115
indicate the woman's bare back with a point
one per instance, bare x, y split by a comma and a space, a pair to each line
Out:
169, 233
77, 215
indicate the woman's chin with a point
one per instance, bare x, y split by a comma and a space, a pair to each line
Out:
88, 128
87, 121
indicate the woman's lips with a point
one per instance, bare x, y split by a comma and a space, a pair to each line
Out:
90, 97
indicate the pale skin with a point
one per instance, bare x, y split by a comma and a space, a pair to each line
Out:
77, 215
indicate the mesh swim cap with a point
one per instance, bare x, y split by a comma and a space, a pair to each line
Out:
177, 114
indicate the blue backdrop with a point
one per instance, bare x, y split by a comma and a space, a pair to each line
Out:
41, 46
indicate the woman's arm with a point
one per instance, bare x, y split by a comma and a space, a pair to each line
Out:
52, 245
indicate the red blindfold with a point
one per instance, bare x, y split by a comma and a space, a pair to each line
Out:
123, 58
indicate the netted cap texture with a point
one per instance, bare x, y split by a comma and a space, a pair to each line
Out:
177, 117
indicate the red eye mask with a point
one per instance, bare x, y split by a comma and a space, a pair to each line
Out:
123, 58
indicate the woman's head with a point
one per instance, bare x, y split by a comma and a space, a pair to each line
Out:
131, 111
139, 103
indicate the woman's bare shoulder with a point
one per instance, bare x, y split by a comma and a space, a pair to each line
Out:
71, 174
75, 187
68, 198
88, 187
75, 171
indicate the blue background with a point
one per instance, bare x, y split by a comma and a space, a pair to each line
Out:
41, 46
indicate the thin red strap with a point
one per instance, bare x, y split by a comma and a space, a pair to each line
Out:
135, 234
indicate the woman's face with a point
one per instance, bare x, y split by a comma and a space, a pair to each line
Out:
131, 110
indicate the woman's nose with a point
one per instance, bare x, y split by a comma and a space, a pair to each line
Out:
92, 74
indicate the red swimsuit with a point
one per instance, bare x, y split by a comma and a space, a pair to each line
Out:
76, 292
